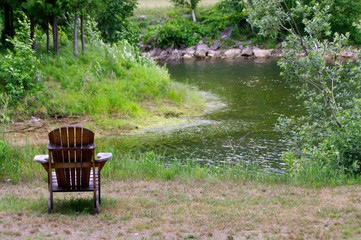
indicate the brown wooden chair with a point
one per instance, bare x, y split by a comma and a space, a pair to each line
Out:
71, 154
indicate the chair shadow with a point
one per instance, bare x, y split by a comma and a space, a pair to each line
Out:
74, 206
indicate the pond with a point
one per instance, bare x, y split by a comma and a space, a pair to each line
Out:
254, 96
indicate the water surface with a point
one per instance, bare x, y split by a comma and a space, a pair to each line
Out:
243, 130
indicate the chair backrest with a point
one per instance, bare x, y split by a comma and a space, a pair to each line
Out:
72, 146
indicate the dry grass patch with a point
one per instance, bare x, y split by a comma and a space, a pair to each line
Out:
181, 209
151, 4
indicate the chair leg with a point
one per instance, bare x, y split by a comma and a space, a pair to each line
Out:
100, 199
50, 202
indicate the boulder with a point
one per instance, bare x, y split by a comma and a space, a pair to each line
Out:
247, 51
226, 32
233, 53
214, 54
215, 45
201, 51
155, 52
262, 53
163, 55
187, 57
191, 50
175, 55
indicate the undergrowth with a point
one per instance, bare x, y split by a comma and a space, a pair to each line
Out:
16, 165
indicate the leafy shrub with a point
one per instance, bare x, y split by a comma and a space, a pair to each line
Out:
175, 32
19, 68
223, 14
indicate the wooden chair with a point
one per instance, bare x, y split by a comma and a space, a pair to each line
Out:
71, 155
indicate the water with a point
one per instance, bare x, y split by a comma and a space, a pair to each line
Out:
243, 130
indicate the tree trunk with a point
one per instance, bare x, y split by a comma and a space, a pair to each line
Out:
55, 35
82, 33
76, 33
32, 34
47, 38
8, 28
194, 16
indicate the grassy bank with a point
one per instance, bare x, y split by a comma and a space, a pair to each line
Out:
17, 166
114, 85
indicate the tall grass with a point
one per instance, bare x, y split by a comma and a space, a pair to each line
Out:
17, 164
112, 84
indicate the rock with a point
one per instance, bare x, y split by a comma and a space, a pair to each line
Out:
213, 54
200, 42
262, 53
347, 54
191, 50
175, 55
233, 53
201, 50
206, 39
153, 22
163, 55
247, 51
277, 53
249, 42
226, 32
215, 45
155, 52
187, 57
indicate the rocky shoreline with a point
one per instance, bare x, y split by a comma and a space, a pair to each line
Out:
204, 52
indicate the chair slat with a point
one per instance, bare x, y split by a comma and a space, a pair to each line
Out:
78, 154
64, 143
72, 154
58, 157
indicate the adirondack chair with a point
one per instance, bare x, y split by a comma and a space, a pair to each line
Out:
71, 155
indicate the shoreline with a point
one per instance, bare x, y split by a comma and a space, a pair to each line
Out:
203, 52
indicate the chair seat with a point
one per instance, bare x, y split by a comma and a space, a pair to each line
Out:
76, 188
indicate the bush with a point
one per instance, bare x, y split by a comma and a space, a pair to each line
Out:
19, 68
175, 32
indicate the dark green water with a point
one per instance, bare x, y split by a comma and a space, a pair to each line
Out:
243, 130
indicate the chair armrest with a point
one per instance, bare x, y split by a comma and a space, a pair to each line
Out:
102, 157
41, 159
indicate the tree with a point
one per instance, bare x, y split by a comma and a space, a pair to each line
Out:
113, 18
328, 133
191, 4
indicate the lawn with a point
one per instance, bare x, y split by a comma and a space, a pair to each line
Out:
183, 209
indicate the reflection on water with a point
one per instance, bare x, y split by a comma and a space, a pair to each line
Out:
243, 130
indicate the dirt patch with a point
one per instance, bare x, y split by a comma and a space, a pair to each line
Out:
35, 130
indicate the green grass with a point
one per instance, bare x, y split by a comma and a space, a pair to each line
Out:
16, 164
114, 85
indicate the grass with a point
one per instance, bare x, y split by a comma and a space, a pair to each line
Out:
178, 209
114, 85
16, 164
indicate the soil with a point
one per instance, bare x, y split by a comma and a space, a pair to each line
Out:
35, 130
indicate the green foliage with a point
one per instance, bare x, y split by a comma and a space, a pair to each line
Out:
114, 19
223, 14
178, 30
327, 136
175, 32
19, 68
